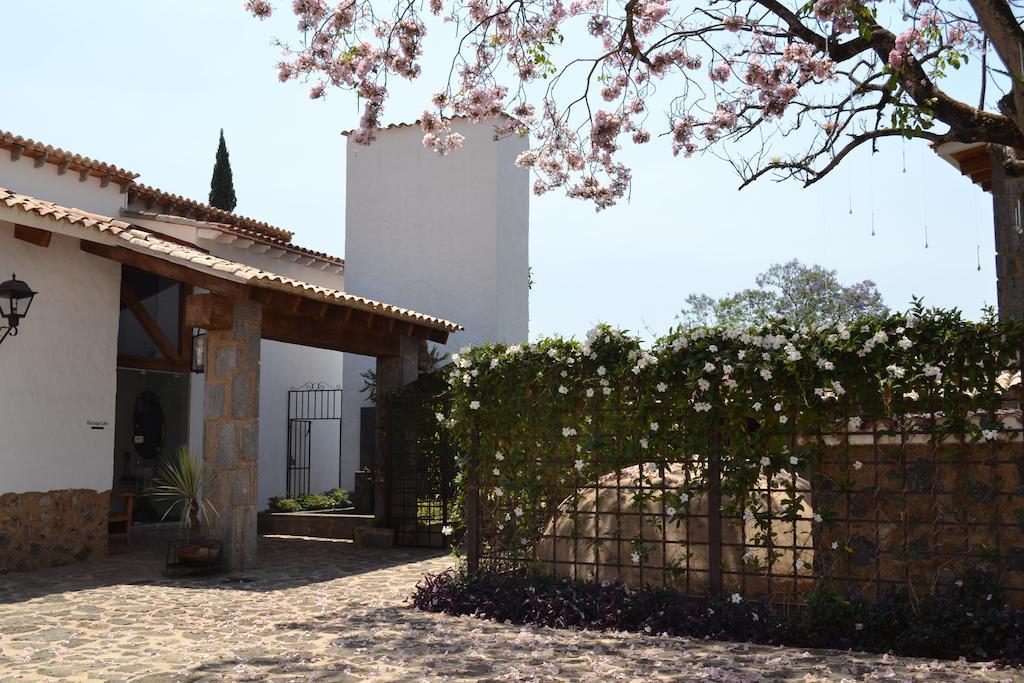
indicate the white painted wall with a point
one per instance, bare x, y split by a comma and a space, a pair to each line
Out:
59, 372
23, 177
447, 236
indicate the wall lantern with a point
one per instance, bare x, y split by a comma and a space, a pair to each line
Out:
15, 299
199, 352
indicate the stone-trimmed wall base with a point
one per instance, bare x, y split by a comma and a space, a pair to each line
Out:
49, 528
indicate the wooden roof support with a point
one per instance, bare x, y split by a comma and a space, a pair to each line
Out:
148, 324
40, 160
209, 312
40, 238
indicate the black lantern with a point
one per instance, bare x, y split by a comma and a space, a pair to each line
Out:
15, 299
199, 352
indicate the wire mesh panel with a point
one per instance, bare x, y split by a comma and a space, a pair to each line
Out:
420, 470
890, 504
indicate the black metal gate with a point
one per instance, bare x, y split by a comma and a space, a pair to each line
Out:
306, 404
420, 470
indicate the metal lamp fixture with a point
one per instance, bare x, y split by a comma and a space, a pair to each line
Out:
199, 352
15, 300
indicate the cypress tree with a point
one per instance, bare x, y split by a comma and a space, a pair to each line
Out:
222, 188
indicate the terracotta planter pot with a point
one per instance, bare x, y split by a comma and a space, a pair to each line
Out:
197, 554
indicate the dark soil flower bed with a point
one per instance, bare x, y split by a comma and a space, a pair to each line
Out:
969, 621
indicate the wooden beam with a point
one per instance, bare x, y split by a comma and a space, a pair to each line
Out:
174, 271
209, 311
40, 238
16, 151
305, 331
62, 168
40, 160
162, 364
83, 175
148, 324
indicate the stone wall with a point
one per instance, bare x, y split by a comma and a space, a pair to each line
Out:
50, 528
921, 515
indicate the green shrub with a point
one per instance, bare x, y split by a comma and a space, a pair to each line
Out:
279, 504
328, 500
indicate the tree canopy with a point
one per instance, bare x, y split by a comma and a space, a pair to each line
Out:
792, 293
795, 85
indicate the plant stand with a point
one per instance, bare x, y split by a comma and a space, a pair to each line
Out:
194, 558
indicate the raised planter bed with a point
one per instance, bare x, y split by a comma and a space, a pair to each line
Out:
316, 523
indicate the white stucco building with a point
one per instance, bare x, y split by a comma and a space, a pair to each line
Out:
97, 388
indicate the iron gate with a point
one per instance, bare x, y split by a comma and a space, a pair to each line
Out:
420, 468
310, 402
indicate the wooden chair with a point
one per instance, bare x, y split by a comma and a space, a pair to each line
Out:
122, 516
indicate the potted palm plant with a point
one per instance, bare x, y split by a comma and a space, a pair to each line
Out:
184, 483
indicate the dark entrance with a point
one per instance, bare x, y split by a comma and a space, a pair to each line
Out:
310, 402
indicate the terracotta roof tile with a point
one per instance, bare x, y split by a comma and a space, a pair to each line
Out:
207, 212
69, 160
239, 272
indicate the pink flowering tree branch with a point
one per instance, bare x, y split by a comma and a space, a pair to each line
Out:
787, 89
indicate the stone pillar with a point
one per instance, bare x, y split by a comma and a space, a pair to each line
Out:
231, 431
392, 373
1008, 216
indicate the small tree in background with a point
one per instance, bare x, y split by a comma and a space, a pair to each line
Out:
793, 292
222, 187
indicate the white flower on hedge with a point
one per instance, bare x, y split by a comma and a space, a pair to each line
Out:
783, 419
563, 389
439, 416
736, 598
835, 545
684, 497
601, 370
766, 461
494, 363
756, 406
513, 350
568, 431
766, 374
989, 434
730, 383
904, 343
552, 353
838, 388
748, 516
856, 422
518, 511
662, 387
703, 384
607, 391
859, 626
474, 405
895, 371
643, 442
446, 531
793, 460
579, 465
590, 393
778, 407
817, 518
496, 472
799, 565
727, 369
498, 492
747, 557
498, 455
654, 426
709, 367
670, 511
635, 557
702, 406
933, 371
857, 464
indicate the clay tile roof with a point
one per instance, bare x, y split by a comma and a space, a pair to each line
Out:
44, 153
206, 212
407, 124
140, 239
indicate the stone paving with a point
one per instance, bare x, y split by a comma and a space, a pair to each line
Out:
325, 611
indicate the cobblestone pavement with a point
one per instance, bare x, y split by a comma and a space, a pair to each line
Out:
323, 610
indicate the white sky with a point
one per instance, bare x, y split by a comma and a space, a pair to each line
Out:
147, 86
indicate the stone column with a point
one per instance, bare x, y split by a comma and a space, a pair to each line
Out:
1008, 214
231, 431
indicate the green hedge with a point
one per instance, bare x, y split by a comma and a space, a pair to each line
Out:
328, 500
